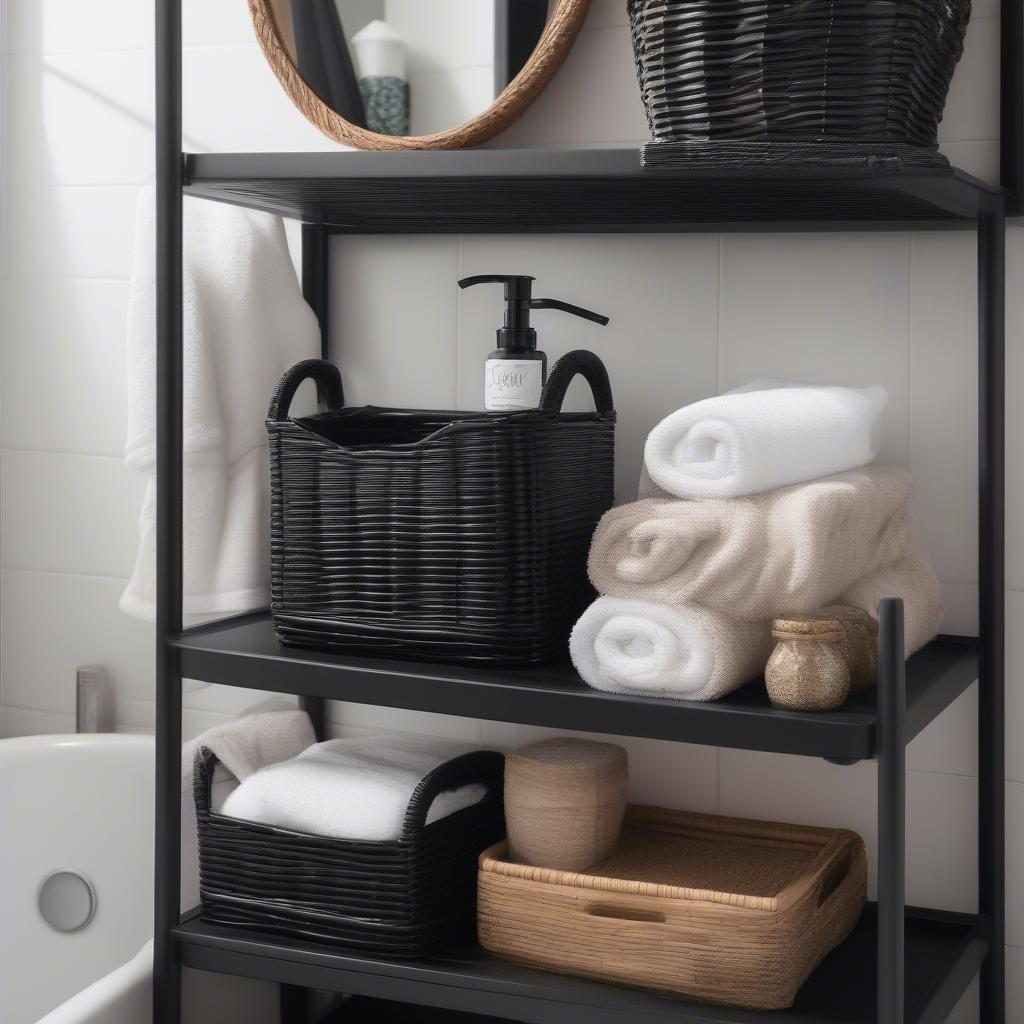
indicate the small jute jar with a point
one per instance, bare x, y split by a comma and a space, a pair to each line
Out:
564, 802
860, 643
807, 670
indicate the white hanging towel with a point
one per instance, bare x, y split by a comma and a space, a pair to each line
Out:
245, 323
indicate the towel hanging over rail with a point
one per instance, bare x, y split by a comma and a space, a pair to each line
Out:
245, 323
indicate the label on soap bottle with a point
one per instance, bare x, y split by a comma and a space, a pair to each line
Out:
513, 384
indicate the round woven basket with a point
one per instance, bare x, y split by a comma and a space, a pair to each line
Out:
776, 82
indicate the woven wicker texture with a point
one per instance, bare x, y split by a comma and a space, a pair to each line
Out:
564, 802
716, 909
438, 535
403, 899
775, 81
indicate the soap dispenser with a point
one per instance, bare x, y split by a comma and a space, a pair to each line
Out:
516, 371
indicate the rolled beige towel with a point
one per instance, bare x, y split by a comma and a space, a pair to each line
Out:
786, 552
914, 580
643, 647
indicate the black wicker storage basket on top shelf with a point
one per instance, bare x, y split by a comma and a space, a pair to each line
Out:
762, 83
402, 899
437, 535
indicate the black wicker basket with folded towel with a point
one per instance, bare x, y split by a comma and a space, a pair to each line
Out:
784, 83
402, 898
449, 536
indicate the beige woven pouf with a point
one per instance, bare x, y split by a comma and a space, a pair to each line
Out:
564, 802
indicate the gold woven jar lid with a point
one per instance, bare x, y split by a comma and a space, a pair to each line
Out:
817, 629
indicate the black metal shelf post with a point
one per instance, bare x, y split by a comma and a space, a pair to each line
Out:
992, 600
169, 199
921, 961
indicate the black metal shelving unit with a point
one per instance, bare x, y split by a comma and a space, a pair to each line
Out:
902, 965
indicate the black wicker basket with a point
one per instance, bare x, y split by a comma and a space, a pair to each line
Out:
765, 83
403, 898
437, 535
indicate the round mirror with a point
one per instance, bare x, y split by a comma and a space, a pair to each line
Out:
415, 74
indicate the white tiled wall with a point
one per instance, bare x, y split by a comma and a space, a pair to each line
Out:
690, 315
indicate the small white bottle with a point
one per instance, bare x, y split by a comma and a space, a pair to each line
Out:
515, 371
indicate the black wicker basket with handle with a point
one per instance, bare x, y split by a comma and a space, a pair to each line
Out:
401, 898
766, 83
448, 536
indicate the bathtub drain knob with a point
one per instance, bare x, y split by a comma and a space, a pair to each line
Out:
67, 900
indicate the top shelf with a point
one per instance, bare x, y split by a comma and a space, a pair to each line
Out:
555, 190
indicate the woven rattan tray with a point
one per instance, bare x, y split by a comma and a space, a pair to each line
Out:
718, 909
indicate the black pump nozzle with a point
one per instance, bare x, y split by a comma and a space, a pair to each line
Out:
517, 335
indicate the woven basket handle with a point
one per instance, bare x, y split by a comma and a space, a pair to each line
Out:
587, 365
487, 766
328, 386
202, 779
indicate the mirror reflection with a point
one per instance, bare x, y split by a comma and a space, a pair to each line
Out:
409, 67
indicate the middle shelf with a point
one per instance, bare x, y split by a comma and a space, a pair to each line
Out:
245, 652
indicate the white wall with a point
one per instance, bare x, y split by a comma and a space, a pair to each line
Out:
451, 59
690, 314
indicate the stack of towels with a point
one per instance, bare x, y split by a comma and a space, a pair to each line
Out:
754, 505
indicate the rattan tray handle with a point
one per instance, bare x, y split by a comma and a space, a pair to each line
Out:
832, 880
834, 883
588, 366
487, 766
328, 385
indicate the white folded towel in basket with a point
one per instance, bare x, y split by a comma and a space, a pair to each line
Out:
642, 647
351, 789
761, 437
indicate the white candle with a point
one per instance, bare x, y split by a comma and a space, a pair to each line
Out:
380, 51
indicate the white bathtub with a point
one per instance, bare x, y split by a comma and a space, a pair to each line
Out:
81, 804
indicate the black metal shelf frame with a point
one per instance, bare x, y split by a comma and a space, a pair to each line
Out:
923, 960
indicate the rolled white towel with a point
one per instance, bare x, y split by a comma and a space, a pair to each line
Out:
690, 653
761, 556
749, 441
914, 580
351, 789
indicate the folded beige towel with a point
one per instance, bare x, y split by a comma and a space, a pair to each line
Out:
786, 552
914, 580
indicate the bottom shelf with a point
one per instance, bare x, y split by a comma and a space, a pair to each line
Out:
364, 1010
944, 951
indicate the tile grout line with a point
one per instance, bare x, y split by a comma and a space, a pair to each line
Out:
910, 355
93, 577
16, 450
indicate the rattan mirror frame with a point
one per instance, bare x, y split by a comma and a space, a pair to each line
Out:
555, 42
